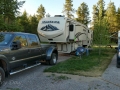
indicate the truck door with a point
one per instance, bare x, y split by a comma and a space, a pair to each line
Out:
19, 56
34, 50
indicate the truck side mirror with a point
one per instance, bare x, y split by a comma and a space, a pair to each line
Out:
16, 45
71, 27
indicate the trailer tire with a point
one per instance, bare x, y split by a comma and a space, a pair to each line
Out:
2, 76
53, 59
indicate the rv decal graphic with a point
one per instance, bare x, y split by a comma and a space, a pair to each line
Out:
49, 27
77, 35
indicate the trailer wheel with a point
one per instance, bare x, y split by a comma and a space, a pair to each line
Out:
2, 76
53, 59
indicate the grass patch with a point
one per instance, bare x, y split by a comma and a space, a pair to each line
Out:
92, 65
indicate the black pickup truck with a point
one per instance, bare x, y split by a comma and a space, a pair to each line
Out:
20, 51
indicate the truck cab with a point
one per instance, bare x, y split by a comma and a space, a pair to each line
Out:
20, 51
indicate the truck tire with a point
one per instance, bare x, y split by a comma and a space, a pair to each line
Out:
117, 65
53, 59
2, 76
117, 62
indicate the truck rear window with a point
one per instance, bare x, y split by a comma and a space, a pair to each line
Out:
33, 40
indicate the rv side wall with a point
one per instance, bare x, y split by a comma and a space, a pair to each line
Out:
66, 33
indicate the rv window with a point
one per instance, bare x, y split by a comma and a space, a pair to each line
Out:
88, 31
71, 27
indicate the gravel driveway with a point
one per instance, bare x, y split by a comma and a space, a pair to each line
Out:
35, 79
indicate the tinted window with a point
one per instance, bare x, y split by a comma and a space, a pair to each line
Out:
5, 38
22, 39
33, 40
71, 27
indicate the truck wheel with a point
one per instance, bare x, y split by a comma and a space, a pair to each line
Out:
53, 60
2, 76
117, 65
117, 62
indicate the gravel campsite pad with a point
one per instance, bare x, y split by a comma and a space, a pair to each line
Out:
36, 79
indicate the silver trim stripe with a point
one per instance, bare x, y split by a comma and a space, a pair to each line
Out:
26, 58
24, 69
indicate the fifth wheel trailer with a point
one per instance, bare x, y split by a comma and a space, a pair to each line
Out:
66, 33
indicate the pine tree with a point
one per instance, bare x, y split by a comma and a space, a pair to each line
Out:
83, 14
1, 7
3, 26
33, 24
111, 17
118, 18
68, 10
95, 15
98, 11
9, 9
24, 21
40, 12
101, 10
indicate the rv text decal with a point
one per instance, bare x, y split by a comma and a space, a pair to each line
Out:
57, 22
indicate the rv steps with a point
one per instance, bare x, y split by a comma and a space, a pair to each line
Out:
14, 72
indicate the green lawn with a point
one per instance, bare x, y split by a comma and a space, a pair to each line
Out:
92, 65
